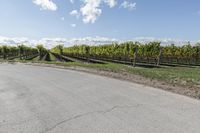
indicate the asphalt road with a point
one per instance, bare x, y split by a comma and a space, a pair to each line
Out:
37, 99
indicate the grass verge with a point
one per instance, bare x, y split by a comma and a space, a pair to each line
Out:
172, 75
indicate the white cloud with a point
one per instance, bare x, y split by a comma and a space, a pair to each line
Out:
128, 5
91, 9
111, 3
72, 1
51, 42
62, 18
164, 41
74, 13
7, 40
73, 25
46, 4
92, 40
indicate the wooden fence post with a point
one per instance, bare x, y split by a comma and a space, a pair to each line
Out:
159, 57
135, 56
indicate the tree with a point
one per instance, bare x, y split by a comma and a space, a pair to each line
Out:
42, 51
87, 52
5, 51
21, 51
60, 48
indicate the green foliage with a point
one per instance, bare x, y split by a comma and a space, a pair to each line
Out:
58, 49
24, 51
41, 50
21, 51
124, 50
151, 52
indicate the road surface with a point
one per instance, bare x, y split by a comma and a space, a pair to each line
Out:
37, 99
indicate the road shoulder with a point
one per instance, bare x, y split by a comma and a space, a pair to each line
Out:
178, 89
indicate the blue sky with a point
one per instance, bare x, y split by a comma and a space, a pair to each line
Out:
178, 19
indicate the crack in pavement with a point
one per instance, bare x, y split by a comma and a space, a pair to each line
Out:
88, 113
17, 123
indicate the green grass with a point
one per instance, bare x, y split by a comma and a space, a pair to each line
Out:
36, 58
173, 75
52, 57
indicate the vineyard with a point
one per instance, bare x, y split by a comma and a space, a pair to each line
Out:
131, 53
25, 53
135, 53
21, 52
